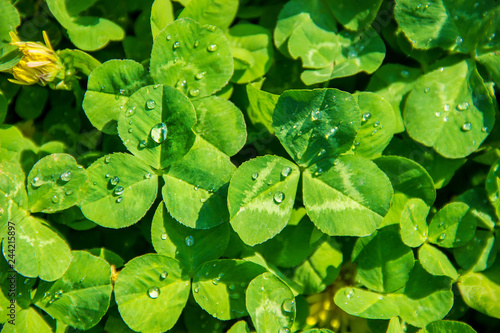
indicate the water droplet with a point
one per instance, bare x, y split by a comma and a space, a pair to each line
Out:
159, 132
285, 172
316, 114
95, 183
55, 199
466, 127
284, 330
163, 236
426, 90
377, 123
143, 144
374, 132
447, 107
438, 114
212, 48
156, 86
255, 175
196, 187
163, 275
58, 294
114, 181
130, 112
66, 176
232, 287
484, 129
147, 175
68, 192
442, 237
459, 40
215, 282
352, 53
150, 104
405, 73
169, 37
234, 296
189, 241
119, 190
130, 130
278, 197
122, 91
331, 133
176, 45
196, 290
462, 106
154, 292
107, 175
36, 182
445, 119
200, 75
318, 172
194, 92
288, 305
107, 159
119, 199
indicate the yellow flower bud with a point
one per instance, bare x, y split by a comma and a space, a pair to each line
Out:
39, 64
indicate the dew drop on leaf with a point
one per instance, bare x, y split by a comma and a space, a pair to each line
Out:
164, 236
318, 172
130, 112
107, 175
143, 144
200, 75
438, 114
150, 104
189, 240
321, 152
147, 175
68, 192
169, 37
348, 293
153, 292
118, 200
176, 45
196, 290
426, 90
36, 182
212, 48
130, 130
284, 330
114, 181
159, 132
163, 275
315, 114
196, 187
234, 296
156, 86
405, 73
447, 107
288, 305
119, 190
66, 176
194, 92
462, 106
484, 129
55, 199
285, 172
279, 197
107, 159
122, 91
196, 44
466, 127
232, 287
442, 237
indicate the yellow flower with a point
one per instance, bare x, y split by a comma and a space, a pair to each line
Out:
39, 64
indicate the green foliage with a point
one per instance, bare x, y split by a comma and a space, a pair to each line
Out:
250, 166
